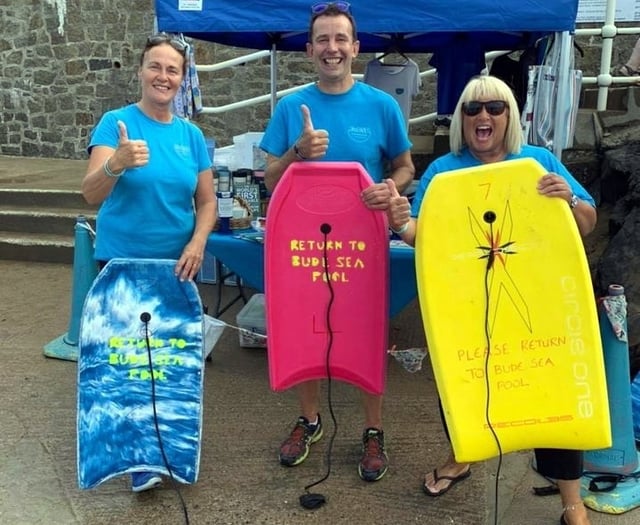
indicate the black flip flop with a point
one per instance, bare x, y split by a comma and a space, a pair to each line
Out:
452, 479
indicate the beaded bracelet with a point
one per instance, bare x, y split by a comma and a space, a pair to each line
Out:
402, 228
108, 172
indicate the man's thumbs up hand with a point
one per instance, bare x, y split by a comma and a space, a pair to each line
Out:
312, 143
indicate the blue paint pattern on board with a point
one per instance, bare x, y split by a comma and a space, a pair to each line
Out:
115, 418
635, 406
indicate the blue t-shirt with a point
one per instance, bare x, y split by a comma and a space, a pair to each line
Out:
150, 211
450, 162
365, 125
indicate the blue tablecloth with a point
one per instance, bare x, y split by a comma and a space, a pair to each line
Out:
246, 259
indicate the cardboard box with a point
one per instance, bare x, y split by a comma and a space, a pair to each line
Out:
247, 151
225, 156
252, 323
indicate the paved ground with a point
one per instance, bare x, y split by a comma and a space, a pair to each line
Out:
240, 481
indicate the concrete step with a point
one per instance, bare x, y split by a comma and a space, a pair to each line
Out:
58, 221
39, 224
40, 247
39, 198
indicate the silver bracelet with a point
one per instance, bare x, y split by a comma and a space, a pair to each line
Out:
402, 228
108, 172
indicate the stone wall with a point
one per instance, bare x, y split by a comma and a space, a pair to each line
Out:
63, 63
59, 71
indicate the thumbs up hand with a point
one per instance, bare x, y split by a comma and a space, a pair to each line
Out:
399, 210
312, 143
392, 189
129, 153
122, 132
307, 124
379, 196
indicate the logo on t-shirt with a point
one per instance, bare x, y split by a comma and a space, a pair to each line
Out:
182, 151
359, 133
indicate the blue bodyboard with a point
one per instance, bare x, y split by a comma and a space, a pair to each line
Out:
635, 406
138, 308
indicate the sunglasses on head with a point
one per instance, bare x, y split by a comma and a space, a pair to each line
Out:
164, 38
319, 8
493, 107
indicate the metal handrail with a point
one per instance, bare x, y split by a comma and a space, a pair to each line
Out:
251, 57
280, 93
608, 31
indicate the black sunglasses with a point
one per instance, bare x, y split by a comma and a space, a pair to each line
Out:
493, 107
164, 38
321, 7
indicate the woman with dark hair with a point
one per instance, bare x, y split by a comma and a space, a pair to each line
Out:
150, 172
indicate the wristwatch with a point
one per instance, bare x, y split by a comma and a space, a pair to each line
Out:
574, 201
296, 150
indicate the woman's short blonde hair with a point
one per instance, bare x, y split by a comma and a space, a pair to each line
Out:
488, 88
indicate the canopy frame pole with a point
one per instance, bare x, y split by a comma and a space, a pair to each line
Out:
274, 77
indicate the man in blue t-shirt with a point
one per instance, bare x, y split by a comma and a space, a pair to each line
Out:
338, 119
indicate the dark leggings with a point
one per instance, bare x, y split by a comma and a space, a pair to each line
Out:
552, 463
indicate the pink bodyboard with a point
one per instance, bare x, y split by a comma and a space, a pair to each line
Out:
315, 215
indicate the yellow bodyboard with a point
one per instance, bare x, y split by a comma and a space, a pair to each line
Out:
503, 268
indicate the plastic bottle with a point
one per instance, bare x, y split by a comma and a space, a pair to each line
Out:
85, 271
225, 198
621, 457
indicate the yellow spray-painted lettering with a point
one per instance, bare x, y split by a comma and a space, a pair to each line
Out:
339, 265
298, 245
121, 343
334, 277
145, 375
179, 343
134, 342
349, 262
143, 360
129, 352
